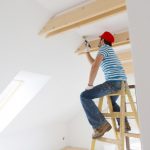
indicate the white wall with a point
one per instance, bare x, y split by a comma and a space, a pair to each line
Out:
80, 132
22, 49
139, 20
35, 138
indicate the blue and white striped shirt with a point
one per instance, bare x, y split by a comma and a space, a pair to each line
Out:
111, 65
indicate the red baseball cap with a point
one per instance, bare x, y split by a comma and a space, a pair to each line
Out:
108, 37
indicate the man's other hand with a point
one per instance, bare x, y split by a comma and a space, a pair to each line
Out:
89, 87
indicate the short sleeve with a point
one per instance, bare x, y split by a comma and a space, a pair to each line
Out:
103, 51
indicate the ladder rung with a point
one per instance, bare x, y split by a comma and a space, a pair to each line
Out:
117, 114
134, 135
108, 140
130, 103
120, 92
114, 94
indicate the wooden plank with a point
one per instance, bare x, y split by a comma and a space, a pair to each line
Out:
108, 140
120, 39
134, 135
91, 12
116, 93
117, 114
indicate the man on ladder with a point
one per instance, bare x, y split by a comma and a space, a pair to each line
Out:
114, 75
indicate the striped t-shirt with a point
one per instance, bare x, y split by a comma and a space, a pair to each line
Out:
111, 65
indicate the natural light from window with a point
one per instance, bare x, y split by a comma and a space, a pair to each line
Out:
18, 94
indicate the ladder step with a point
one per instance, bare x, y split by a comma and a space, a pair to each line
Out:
108, 140
114, 94
134, 135
117, 114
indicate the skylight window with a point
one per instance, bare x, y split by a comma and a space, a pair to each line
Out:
18, 94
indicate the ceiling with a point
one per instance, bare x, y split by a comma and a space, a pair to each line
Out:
23, 49
115, 24
59, 6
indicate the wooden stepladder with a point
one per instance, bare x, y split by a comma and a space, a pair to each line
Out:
121, 137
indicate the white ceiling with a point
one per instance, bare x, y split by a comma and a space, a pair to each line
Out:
114, 24
23, 49
59, 6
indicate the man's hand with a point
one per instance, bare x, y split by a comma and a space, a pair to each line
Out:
87, 45
89, 87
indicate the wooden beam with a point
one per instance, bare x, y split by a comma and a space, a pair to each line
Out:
120, 39
91, 12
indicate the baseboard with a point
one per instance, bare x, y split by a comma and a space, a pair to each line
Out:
73, 148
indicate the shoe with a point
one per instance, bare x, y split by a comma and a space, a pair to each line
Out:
127, 127
99, 132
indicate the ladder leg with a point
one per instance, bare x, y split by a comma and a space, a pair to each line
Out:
93, 144
112, 119
133, 106
122, 120
127, 143
127, 139
100, 103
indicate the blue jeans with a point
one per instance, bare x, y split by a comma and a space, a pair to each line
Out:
95, 117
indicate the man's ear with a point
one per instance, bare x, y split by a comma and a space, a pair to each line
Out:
102, 41
99, 45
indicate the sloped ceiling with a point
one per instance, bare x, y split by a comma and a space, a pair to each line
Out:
23, 49
59, 6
